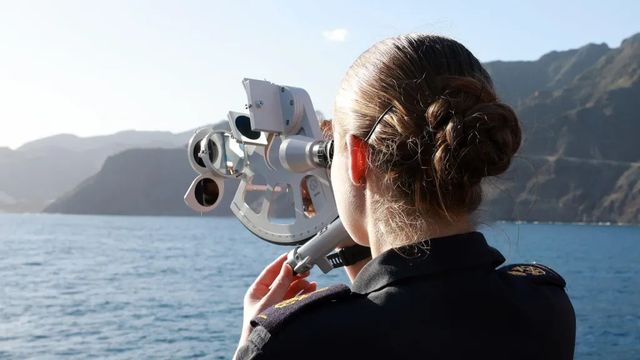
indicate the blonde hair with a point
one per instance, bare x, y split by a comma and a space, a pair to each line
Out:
445, 131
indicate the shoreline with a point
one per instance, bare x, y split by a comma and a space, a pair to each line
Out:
204, 215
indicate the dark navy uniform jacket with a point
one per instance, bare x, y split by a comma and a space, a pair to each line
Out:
444, 300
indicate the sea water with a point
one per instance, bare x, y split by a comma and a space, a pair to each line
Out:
118, 287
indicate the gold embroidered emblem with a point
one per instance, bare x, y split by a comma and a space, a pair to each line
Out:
526, 270
295, 299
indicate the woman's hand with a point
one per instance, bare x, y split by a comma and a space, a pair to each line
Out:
275, 284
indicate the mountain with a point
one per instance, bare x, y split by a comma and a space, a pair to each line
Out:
138, 182
565, 190
517, 81
578, 113
588, 115
119, 140
148, 182
40, 171
579, 162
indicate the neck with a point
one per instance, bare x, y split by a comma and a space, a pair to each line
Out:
382, 239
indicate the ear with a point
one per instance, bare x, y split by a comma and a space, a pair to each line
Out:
357, 150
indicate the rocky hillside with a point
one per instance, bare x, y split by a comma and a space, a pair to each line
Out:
40, 171
578, 110
137, 182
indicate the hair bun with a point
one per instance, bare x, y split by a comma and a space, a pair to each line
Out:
475, 134
491, 136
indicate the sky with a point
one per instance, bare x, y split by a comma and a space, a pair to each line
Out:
98, 67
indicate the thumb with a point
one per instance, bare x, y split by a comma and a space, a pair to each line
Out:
279, 286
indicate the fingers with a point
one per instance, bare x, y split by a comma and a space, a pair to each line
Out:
279, 286
313, 286
302, 275
276, 283
269, 274
298, 287
261, 285
273, 270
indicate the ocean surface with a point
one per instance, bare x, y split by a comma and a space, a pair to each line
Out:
79, 287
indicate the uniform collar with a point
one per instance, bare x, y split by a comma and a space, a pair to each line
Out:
443, 254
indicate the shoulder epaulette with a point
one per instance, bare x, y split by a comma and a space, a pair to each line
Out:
535, 272
276, 316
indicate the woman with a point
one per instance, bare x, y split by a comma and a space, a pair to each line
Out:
417, 126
